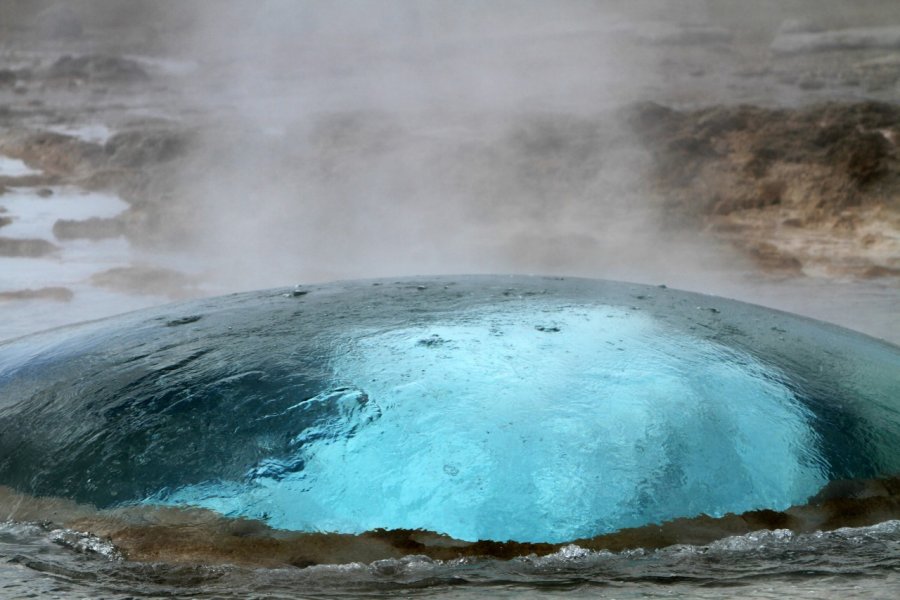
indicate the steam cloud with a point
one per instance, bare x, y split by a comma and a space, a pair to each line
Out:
391, 138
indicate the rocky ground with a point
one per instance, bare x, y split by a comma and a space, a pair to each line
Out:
806, 191
766, 138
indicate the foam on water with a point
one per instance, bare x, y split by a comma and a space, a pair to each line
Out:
534, 424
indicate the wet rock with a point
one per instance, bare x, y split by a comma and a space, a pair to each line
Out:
98, 68
26, 248
879, 271
148, 280
143, 148
4, 221
198, 536
95, 228
855, 489
58, 294
863, 155
54, 153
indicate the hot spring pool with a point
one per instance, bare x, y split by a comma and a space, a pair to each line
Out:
482, 408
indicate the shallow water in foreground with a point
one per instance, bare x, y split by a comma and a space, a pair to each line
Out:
847, 563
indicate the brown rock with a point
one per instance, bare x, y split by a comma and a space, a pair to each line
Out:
95, 228
879, 271
743, 172
53, 153
132, 149
775, 260
59, 294
144, 279
26, 248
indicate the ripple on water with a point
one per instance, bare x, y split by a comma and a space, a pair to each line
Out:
536, 423
487, 407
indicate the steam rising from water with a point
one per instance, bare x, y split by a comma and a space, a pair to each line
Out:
381, 138
386, 138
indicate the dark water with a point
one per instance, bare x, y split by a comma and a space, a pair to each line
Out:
539, 410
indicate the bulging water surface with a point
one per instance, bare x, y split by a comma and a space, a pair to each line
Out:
532, 410
539, 422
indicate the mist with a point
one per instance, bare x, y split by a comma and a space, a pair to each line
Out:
284, 142
359, 139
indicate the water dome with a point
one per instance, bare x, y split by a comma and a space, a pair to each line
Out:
485, 408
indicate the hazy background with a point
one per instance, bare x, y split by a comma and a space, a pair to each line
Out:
343, 139
385, 138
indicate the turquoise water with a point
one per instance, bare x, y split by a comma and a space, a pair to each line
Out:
524, 408
536, 423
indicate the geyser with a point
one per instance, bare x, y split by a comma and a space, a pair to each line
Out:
531, 409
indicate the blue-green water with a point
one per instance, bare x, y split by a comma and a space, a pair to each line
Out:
537, 422
530, 409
